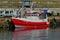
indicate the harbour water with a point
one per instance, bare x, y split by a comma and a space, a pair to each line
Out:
31, 35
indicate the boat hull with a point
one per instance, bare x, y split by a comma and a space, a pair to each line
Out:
30, 25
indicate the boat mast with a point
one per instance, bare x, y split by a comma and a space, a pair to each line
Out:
25, 5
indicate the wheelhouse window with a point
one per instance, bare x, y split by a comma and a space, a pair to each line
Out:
27, 3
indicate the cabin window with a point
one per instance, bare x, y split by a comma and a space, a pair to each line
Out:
31, 15
6, 12
27, 3
35, 15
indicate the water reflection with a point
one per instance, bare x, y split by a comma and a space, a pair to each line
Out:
31, 35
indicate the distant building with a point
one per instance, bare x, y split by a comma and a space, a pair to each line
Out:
8, 12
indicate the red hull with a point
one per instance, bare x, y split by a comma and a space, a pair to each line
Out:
30, 25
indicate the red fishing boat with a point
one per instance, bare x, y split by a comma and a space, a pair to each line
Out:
31, 19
